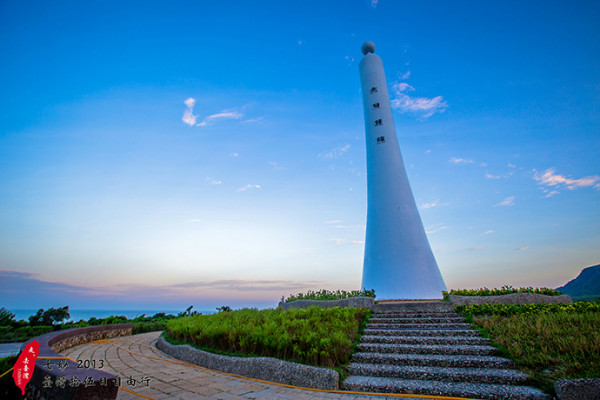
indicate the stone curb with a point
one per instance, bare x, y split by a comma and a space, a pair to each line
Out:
350, 302
513, 298
578, 389
263, 368
100, 385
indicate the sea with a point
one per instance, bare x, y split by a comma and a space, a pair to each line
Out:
77, 315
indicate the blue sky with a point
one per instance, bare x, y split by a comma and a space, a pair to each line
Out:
161, 154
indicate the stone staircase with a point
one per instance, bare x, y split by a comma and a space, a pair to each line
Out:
427, 348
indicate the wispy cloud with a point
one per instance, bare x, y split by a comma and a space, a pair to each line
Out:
275, 165
425, 107
509, 201
487, 232
522, 248
432, 204
334, 153
252, 120
490, 176
457, 161
191, 119
188, 115
223, 115
234, 155
213, 181
434, 229
550, 179
248, 187
27, 290
353, 228
195, 220
476, 248
242, 285
357, 242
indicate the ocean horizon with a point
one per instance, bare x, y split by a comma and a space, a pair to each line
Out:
86, 314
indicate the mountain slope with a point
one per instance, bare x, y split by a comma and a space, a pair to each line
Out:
586, 286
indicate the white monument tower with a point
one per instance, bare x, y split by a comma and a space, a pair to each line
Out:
399, 263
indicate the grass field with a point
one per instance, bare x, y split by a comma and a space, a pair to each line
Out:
548, 342
315, 336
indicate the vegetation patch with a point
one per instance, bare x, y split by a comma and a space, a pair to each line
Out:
498, 292
506, 310
313, 336
46, 321
8, 389
324, 294
549, 342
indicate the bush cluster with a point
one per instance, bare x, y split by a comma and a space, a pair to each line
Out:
314, 336
325, 294
506, 289
538, 308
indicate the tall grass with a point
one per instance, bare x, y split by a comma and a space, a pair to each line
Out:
547, 345
314, 336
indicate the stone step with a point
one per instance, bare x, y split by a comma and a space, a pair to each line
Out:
417, 320
420, 332
427, 349
432, 306
452, 325
445, 340
394, 314
471, 390
451, 361
477, 375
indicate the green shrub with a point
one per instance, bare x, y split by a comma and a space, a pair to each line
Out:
325, 294
143, 327
315, 336
23, 333
8, 389
498, 292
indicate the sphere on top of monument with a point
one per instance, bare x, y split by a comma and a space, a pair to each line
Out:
368, 47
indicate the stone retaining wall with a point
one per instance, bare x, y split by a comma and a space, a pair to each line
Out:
93, 384
578, 389
513, 298
264, 368
350, 302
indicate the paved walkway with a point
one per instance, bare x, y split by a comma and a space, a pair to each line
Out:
9, 349
148, 373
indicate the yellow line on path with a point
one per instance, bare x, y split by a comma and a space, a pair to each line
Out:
56, 358
178, 362
137, 394
7, 372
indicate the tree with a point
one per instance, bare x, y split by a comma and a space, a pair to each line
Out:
6, 317
50, 317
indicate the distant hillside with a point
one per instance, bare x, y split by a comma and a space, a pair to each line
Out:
586, 286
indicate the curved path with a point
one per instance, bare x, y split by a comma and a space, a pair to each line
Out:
148, 373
